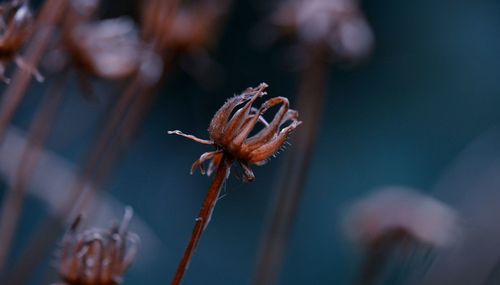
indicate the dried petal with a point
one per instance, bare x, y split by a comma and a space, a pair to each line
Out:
230, 131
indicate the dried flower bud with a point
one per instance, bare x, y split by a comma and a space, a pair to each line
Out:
187, 27
338, 25
15, 26
398, 212
98, 256
16, 23
109, 49
230, 131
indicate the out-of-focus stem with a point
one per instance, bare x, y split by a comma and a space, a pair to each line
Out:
124, 119
378, 254
129, 125
203, 218
310, 104
39, 131
49, 17
50, 229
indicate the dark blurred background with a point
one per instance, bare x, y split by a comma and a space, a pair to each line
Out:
429, 89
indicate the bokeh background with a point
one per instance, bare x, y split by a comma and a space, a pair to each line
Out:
430, 88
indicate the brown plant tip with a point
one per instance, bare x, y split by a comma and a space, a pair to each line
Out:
338, 25
16, 23
97, 256
230, 131
111, 49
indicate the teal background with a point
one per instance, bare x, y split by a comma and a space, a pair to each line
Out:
430, 88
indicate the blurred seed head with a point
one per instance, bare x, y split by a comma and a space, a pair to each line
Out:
109, 49
337, 25
182, 28
405, 212
97, 256
16, 25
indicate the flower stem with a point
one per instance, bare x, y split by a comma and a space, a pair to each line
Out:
203, 217
310, 104
46, 234
49, 17
39, 131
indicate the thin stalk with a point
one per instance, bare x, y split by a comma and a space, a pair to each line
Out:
112, 125
375, 261
123, 121
39, 131
117, 144
203, 217
379, 252
310, 104
128, 126
51, 228
49, 17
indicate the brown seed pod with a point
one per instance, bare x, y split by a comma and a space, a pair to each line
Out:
230, 131
183, 28
109, 49
337, 25
16, 23
97, 256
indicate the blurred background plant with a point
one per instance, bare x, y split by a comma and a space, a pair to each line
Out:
420, 112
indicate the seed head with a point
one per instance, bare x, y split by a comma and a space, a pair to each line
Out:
97, 256
230, 131
398, 212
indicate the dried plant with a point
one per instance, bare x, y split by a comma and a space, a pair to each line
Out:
398, 216
230, 135
97, 54
12, 203
230, 131
16, 23
109, 49
336, 25
184, 28
325, 30
46, 22
98, 256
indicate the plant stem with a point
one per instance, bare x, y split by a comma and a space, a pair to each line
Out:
48, 19
51, 228
39, 131
310, 103
203, 217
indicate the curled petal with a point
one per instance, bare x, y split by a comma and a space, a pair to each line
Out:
191, 137
127, 217
221, 117
272, 130
262, 153
248, 175
290, 115
241, 135
131, 251
204, 157
247, 128
237, 120
214, 163
114, 253
216, 128
262, 120
92, 258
